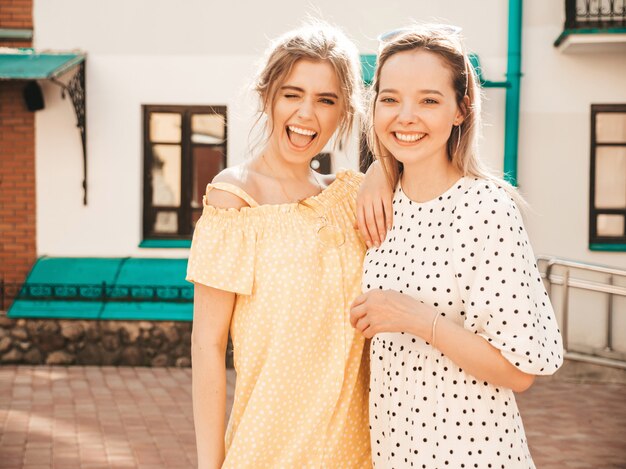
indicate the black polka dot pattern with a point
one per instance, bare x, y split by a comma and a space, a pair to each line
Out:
466, 254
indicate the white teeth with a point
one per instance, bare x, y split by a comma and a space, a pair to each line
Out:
408, 137
300, 131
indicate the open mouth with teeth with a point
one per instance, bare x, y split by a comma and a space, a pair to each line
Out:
300, 137
408, 138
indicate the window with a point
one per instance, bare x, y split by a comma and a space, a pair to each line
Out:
322, 163
607, 223
184, 148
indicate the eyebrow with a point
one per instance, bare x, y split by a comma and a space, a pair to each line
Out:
296, 88
391, 90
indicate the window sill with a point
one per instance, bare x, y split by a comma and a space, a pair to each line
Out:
165, 243
607, 247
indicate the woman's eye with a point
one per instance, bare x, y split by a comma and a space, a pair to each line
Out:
291, 96
387, 100
327, 101
430, 101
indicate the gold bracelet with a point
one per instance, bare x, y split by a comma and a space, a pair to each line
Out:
434, 329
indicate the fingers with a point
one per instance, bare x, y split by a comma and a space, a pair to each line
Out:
360, 299
372, 228
362, 324
369, 332
356, 313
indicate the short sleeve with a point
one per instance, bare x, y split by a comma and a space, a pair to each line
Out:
503, 294
222, 251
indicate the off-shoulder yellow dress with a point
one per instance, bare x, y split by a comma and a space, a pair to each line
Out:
302, 374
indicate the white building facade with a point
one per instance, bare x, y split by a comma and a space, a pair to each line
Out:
185, 54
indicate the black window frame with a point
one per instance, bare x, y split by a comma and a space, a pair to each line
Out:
185, 210
597, 242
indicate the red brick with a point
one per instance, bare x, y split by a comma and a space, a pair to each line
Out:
17, 156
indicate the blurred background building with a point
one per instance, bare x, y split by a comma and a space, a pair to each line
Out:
115, 115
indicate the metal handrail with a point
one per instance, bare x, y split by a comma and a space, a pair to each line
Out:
567, 282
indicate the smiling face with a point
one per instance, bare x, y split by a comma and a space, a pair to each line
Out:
415, 107
306, 111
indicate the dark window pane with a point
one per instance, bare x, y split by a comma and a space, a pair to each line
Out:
195, 216
207, 162
184, 149
166, 175
321, 163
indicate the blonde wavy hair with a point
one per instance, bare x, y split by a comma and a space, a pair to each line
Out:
319, 41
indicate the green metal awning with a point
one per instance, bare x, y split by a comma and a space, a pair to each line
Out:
106, 289
26, 64
29, 65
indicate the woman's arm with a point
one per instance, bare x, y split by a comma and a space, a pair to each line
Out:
374, 212
389, 311
211, 321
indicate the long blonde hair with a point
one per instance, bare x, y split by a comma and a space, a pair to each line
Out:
315, 40
446, 43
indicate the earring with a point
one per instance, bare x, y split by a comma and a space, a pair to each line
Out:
458, 139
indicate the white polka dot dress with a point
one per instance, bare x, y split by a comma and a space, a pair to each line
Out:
467, 255
301, 393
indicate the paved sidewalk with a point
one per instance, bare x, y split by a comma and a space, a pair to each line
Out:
107, 417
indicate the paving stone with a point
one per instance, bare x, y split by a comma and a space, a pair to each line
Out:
137, 417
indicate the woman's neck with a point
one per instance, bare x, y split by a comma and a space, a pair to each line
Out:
283, 182
426, 180
278, 168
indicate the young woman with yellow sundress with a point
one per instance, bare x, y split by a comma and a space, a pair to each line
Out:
275, 259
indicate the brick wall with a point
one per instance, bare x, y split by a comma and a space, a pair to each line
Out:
16, 14
17, 160
17, 183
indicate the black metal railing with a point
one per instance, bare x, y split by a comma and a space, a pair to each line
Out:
600, 14
93, 292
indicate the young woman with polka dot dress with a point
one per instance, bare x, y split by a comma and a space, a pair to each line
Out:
456, 309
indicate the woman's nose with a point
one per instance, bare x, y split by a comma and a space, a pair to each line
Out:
408, 114
305, 110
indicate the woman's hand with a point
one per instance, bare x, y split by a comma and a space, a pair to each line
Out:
374, 212
389, 311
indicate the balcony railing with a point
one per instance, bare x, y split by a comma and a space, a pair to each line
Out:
569, 275
97, 292
600, 14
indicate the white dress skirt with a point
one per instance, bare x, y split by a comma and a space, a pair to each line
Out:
467, 255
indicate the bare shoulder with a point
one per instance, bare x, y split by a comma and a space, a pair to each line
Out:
236, 176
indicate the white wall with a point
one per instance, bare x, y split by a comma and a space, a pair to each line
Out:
161, 52
117, 86
554, 152
166, 52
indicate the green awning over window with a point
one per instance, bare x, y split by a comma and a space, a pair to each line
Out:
26, 64
106, 288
